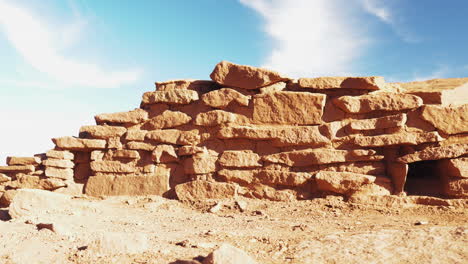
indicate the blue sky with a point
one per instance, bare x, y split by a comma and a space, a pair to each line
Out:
65, 61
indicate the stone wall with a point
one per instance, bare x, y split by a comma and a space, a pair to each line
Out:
256, 133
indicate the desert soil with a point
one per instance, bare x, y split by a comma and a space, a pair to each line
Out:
156, 230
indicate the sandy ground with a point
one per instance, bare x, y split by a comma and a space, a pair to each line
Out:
157, 230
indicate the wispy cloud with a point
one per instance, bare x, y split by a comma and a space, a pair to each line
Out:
42, 48
310, 38
377, 9
440, 72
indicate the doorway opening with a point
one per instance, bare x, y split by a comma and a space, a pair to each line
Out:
424, 178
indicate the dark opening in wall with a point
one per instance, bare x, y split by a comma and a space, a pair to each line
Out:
424, 179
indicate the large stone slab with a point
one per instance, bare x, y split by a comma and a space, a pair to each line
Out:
60, 173
156, 184
282, 135
170, 97
187, 84
242, 76
342, 182
377, 102
242, 177
456, 187
58, 163
293, 108
365, 83
11, 161
436, 153
283, 178
240, 159
102, 132
450, 120
401, 138
215, 118
201, 163
309, 157
60, 154
167, 119
398, 120
456, 168
174, 136
131, 117
72, 143
222, 98
112, 166
202, 190
17, 169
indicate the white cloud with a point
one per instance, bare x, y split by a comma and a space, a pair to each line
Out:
311, 38
40, 46
377, 9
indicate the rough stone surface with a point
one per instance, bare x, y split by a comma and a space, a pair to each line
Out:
58, 163
196, 85
17, 168
365, 83
341, 182
377, 102
450, 120
247, 77
398, 120
164, 154
167, 119
404, 138
200, 163
283, 178
457, 188
174, 136
60, 154
112, 166
131, 117
222, 98
29, 202
215, 118
294, 108
242, 177
12, 161
170, 97
436, 153
126, 154
72, 143
245, 159
102, 132
227, 254
456, 168
61, 173
156, 184
202, 190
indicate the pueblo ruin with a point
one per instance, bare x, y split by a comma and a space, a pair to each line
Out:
255, 133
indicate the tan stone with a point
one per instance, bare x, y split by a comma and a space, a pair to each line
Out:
126, 154
293, 108
97, 155
112, 166
190, 137
377, 102
58, 163
202, 190
450, 120
17, 169
72, 143
283, 178
114, 143
341, 182
247, 77
245, 159
135, 134
362, 167
174, 136
11, 161
190, 150
170, 97
60, 154
4, 178
276, 87
7, 197
398, 172
436, 153
242, 177
456, 168
456, 188
164, 154
227, 254
309, 157
215, 118
401, 138
167, 119
140, 146
222, 98
398, 120
52, 184
200, 163
156, 184
365, 83
196, 85
131, 117
261, 191
61, 173
30, 203
102, 132
282, 135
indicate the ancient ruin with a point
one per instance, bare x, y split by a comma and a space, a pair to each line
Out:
255, 133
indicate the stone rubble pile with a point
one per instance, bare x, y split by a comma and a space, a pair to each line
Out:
256, 133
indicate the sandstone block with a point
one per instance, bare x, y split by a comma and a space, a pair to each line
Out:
242, 177
450, 120
4, 178
361, 167
164, 154
140, 146
190, 150
377, 102
174, 136
456, 168
398, 120
436, 153
167, 119
200, 163
114, 143
11, 161
241, 159
227, 254
196, 85
72, 143
17, 169
222, 98
272, 88
215, 118
60, 173
102, 132
126, 154
131, 117
135, 134
156, 184
261, 191
293, 108
51, 184
341, 182
112, 166
247, 77
283, 178
309, 157
456, 188
365, 83
60, 154
401, 138
97, 155
202, 190
170, 97
58, 163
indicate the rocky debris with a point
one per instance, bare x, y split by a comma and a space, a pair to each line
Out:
202, 190
378, 102
242, 76
450, 120
227, 254
131, 117
116, 243
222, 98
365, 83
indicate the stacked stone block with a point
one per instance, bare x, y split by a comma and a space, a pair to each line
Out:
256, 133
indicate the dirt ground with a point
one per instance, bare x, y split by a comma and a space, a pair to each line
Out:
156, 230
